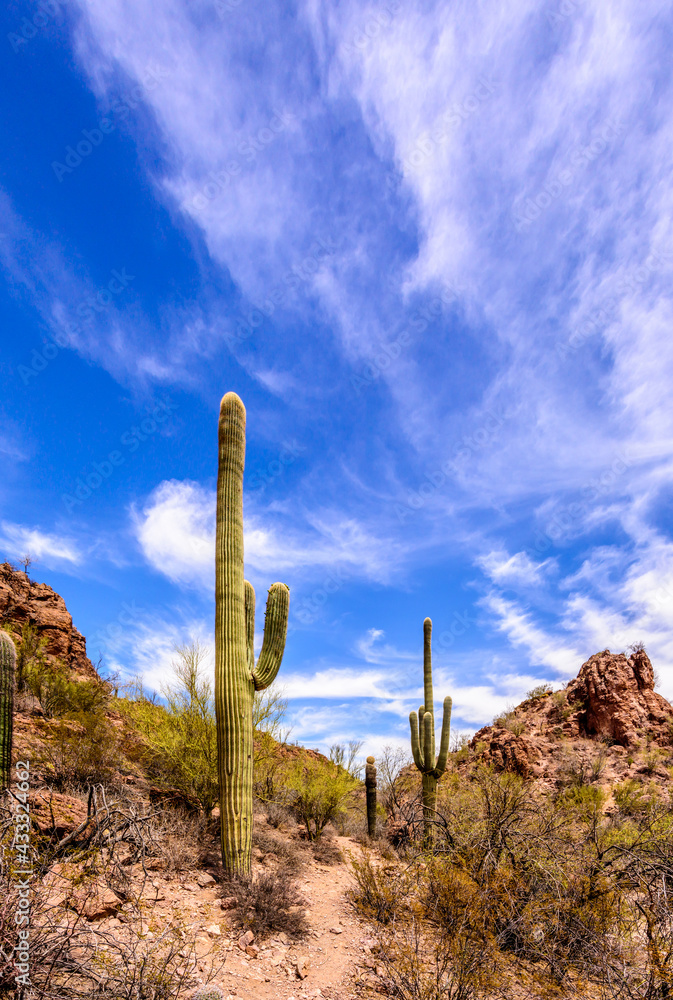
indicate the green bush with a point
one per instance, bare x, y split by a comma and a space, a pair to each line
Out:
318, 792
83, 751
541, 691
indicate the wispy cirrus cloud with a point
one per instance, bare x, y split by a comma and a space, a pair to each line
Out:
19, 540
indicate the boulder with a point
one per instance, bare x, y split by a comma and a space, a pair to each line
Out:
617, 701
505, 751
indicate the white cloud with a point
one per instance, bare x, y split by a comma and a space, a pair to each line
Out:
176, 532
519, 568
19, 540
543, 648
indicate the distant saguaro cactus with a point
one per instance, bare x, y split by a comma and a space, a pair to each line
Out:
370, 785
236, 675
423, 741
7, 671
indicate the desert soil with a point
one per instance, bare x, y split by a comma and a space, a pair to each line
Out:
333, 962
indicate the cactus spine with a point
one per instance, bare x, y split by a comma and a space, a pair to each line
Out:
7, 671
370, 785
423, 741
236, 675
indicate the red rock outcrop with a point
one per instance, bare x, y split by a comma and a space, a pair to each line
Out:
22, 600
505, 751
619, 701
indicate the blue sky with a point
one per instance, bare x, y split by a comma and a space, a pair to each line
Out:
430, 245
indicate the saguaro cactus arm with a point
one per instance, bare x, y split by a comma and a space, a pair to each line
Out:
250, 624
446, 731
415, 741
275, 633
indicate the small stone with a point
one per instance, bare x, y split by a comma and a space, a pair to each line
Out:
246, 939
302, 966
252, 950
214, 930
204, 879
228, 903
336, 930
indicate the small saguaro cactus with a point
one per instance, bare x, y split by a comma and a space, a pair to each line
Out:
7, 671
237, 677
370, 785
423, 741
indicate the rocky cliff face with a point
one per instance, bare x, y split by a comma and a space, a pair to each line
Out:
618, 699
22, 600
609, 725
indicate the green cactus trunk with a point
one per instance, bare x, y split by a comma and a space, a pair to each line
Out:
423, 742
236, 676
7, 672
430, 783
370, 785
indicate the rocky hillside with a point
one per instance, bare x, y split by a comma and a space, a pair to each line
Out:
22, 601
608, 725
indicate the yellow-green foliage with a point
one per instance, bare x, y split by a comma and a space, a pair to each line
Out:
81, 751
578, 894
318, 792
178, 738
633, 797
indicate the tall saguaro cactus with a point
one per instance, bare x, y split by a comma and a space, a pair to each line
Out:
370, 786
7, 671
237, 677
423, 741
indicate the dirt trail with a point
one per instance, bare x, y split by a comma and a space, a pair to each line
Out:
322, 965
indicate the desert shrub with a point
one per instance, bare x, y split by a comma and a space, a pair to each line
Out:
267, 903
559, 698
540, 691
318, 792
345, 755
587, 800
83, 751
633, 798
59, 695
509, 720
278, 815
289, 854
381, 892
182, 839
415, 965
326, 851
71, 957
179, 742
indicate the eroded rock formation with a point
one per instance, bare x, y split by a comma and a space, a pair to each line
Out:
22, 600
